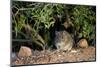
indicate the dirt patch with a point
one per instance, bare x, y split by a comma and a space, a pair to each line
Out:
54, 56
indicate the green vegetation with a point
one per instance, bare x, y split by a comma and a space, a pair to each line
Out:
33, 20
84, 19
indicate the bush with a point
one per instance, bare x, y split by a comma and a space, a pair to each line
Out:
84, 19
34, 20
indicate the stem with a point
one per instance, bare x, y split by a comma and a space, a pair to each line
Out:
36, 37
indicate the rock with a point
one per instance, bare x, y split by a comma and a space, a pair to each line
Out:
83, 43
24, 52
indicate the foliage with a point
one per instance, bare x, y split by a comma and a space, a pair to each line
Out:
84, 18
34, 20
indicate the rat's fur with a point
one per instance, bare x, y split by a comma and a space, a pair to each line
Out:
63, 40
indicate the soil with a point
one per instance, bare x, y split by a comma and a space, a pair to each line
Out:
55, 56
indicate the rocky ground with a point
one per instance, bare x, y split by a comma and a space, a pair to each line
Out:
54, 56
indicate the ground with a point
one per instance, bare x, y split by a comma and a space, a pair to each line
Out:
54, 56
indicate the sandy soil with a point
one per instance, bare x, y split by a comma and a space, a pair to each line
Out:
54, 56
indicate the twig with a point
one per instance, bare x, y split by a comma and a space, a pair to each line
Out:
22, 40
23, 34
21, 9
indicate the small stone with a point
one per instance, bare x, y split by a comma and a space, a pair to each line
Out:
74, 51
83, 43
59, 55
24, 52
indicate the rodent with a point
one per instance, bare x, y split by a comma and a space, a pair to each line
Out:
63, 40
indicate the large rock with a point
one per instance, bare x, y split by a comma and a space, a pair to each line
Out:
24, 52
83, 43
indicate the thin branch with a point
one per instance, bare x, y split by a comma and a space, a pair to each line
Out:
37, 35
21, 40
23, 34
22, 9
